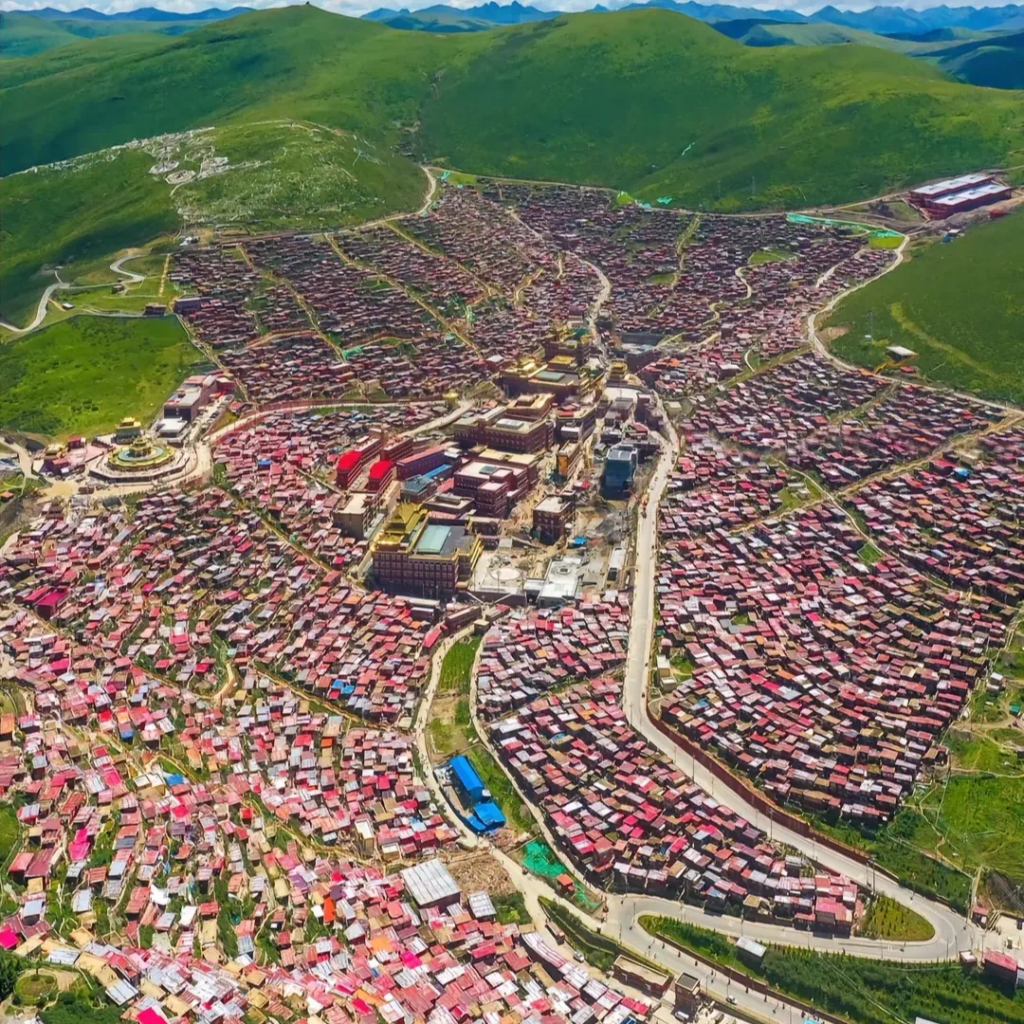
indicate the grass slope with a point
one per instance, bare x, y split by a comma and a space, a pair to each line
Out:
281, 174
998, 62
74, 213
958, 305
759, 32
890, 921
24, 35
647, 101
992, 59
82, 375
21, 35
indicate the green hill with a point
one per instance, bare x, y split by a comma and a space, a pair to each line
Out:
21, 35
760, 32
81, 375
24, 35
78, 214
958, 305
648, 101
994, 59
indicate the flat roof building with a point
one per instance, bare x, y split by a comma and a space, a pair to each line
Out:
927, 193
563, 582
551, 516
619, 469
431, 885
412, 553
968, 199
356, 516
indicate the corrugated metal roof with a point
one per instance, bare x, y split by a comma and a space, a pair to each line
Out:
430, 883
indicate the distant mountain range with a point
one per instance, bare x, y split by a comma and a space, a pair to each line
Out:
141, 14
27, 33
982, 43
882, 20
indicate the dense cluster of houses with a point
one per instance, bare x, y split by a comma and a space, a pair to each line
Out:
217, 740
335, 782
958, 518
905, 425
634, 822
290, 367
312, 441
217, 282
827, 677
784, 404
284, 466
482, 237
768, 323
530, 653
717, 487
185, 580
199, 883
442, 282
351, 304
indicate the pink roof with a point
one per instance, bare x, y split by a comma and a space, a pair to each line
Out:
380, 469
350, 459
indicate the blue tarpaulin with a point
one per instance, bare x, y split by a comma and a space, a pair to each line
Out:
466, 779
486, 817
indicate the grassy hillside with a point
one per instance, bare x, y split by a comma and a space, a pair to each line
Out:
23, 35
959, 305
659, 105
437, 21
992, 59
74, 214
648, 101
997, 62
82, 375
277, 175
758, 32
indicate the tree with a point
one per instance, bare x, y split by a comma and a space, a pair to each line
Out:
10, 968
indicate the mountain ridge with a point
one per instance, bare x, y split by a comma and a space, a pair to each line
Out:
881, 19
583, 99
138, 14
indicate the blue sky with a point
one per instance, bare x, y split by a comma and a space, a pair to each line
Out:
357, 7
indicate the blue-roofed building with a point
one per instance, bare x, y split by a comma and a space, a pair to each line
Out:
482, 813
486, 817
467, 781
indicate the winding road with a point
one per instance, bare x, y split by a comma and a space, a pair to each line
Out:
44, 300
40, 310
953, 932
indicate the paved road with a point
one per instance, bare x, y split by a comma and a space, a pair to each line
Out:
130, 275
952, 932
621, 921
40, 310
